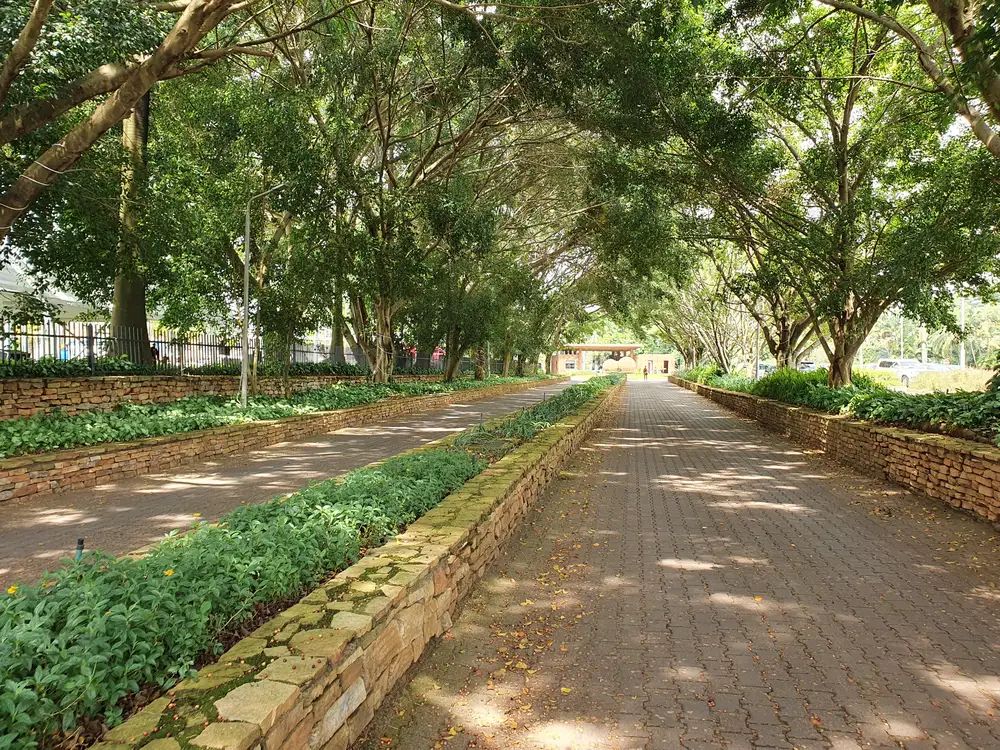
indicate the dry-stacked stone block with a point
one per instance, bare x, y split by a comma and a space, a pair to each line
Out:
962, 473
313, 676
23, 397
78, 468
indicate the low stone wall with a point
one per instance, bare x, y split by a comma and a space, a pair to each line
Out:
77, 468
23, 397
313, 676
962, 473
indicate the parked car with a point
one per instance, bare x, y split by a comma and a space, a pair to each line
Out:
902, 369
764, 369
807, 366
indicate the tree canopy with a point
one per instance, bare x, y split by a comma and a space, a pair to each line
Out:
488, 177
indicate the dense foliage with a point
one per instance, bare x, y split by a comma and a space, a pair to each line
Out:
54, 431
296, 369
95, 631
976, 412
50, 367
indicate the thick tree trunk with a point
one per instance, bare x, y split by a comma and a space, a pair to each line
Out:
337, 337
480, 363
842, 359
506, 354
128, 312
381, 354
453, 353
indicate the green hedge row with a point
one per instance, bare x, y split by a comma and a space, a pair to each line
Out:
55, 431
93, 632
50, 367
975, 411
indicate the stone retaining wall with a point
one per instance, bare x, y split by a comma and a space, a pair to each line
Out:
962, 473
77, 468
313, 676
23, 397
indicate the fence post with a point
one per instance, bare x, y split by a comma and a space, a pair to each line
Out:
90, 347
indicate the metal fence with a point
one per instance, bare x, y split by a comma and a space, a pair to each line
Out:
164, 349
154, 347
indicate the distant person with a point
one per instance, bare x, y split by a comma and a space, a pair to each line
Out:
155, 352
645, 373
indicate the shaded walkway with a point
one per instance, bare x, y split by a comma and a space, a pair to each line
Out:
36, 533
691, 581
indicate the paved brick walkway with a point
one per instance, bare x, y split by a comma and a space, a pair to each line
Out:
36, 533
693, 582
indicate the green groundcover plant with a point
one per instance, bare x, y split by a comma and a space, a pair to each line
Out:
977, 412
55, 431
51, 367
92, 633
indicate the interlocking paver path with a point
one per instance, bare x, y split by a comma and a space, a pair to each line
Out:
35, 533
691, 581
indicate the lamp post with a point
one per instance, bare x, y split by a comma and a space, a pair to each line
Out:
244, 369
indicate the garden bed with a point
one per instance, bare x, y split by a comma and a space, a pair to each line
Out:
26, 397
78, 468
82, 641
971, 415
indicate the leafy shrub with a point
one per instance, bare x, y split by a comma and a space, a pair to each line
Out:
297, 369
701, 374
865, 398
731, 382
86, 636
93, 632
50, 367
54, 431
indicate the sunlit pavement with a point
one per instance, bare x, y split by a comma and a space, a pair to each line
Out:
37, 532
693, 582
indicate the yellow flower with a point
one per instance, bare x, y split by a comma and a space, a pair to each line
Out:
12, 590
168, 572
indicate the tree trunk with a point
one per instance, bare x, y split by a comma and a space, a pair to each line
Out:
128, 312
844, 351
506, 354
337, 337
382, 359
453, 353
480, 363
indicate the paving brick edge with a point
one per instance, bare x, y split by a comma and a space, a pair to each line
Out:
963, 473
313, 676
88, 466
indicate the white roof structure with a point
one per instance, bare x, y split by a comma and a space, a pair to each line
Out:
13, 283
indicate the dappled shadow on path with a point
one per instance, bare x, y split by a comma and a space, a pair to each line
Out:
691, 581
36, 533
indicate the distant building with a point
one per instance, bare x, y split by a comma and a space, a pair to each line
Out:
576, 357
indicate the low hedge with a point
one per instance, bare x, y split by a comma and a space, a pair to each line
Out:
50, 367
297, 369
94, 632
974, 412
54, 431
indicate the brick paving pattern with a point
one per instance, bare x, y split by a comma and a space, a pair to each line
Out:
691, 581
36, 533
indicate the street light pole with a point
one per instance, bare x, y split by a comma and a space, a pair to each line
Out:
244, 369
